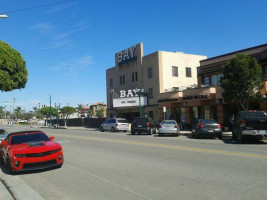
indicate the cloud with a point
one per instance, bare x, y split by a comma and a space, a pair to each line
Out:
43, 28
77, 28
58, 44
74, 65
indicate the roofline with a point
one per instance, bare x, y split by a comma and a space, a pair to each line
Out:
235, 52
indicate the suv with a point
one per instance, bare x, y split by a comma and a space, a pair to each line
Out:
250, 124
115, 124
143, 124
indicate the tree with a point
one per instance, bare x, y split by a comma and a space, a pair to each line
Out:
13, 72
241, 80
18, 111
80, 106
67, 111
100, 113
46, 112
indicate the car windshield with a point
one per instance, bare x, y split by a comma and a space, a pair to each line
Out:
168, 122
207, 121
122, 121
19, 139
2, 132
140, 120
255, 114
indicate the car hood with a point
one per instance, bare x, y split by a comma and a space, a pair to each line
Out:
35, 147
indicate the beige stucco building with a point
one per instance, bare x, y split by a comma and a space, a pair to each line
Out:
137, 80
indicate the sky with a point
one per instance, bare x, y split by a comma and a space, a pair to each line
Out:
69, 45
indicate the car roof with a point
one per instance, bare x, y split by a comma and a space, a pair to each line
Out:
24, 132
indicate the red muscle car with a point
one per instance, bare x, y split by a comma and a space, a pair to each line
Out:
30, 150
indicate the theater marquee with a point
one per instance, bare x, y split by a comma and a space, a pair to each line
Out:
129, 102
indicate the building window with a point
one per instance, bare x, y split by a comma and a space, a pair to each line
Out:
123, 79
150, 93
133, 77
111, 82
207, 80
136, 76
149, 72
188, 72
174, 71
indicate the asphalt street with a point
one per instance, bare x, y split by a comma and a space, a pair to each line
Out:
122, 166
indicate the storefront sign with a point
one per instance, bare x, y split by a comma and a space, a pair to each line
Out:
126, 55
129, 102
130, 93
204, 96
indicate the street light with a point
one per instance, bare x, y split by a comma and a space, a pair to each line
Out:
140, 93
5, 110
3, 15
57, 106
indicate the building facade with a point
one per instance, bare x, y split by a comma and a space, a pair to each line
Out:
205, 100
134, 84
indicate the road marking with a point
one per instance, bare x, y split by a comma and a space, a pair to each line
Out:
63, 142
169, 146
107, 181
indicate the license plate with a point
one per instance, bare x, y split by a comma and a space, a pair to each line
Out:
139, 126
262, 131
210, 131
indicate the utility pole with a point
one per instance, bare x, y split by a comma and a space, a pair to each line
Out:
14, 99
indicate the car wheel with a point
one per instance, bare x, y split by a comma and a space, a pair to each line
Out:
132, 133
112, 129
196, 135
220, 137
101, 129
124, 131
8, 166
241, 138
160, 134
233, 136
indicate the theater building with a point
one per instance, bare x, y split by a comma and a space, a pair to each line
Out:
137, 83
205, 99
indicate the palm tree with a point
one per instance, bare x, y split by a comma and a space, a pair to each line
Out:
18, 111
80, 106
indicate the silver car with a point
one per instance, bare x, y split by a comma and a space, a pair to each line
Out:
115, 124
3, 134
168, 127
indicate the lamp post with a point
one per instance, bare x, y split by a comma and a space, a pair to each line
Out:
140, 93
5, 110
50, 113
57, 106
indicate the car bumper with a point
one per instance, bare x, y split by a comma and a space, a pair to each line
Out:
28, 164
262, 133
210, 132
166, 131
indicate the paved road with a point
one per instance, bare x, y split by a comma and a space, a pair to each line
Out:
121, 166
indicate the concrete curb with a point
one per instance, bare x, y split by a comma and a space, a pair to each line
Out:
20, 190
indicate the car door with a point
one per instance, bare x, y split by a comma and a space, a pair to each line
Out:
105, 125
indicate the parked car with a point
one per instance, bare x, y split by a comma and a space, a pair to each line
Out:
143, 125
30, 150
207, 128
250, 124
3, 134
168, 127
115, 124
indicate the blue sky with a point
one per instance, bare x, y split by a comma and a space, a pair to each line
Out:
69, 46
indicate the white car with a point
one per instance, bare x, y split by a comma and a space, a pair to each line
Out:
168, 127
115, 124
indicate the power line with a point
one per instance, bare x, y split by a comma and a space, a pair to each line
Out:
32, 8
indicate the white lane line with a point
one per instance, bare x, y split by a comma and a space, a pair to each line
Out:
107, 181
64, 141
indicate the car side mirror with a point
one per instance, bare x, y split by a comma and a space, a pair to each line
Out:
3, 142
52, 138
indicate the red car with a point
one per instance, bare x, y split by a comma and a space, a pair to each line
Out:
30, 150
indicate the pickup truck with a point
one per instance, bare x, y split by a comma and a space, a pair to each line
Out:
250, 124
